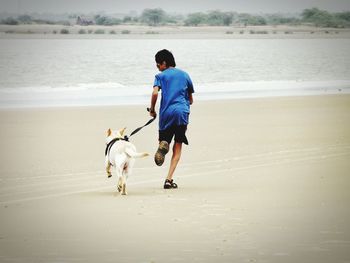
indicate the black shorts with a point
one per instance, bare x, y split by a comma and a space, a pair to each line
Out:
178, 131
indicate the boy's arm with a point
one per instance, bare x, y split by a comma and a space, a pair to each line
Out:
154, 98
190, 96
190, 89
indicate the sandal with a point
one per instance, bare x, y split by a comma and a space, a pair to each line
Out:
163, 149
168, 184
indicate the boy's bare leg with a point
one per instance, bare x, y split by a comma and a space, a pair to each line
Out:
174, 159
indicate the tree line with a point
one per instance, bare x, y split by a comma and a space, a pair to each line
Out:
158, 17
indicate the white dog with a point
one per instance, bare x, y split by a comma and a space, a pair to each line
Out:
120, 154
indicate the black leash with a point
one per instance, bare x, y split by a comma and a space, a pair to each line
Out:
139, 128
126, 138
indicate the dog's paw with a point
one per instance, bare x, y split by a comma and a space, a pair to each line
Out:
123, 190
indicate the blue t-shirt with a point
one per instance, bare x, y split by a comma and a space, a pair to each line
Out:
175, 86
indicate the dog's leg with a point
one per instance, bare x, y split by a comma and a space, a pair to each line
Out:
108, 167
118, 173
123, 186
119, 184
130, 166
124, 189
124, 176
108, 170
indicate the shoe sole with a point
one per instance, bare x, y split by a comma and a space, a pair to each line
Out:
163, 149
170, 185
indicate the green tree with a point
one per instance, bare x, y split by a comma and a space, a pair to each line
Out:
106, 21
319, 17
218, 18
278, 19
24, 19
343, 19
127, 19
195, 19
227, 18
173, 19
248, 19
10, 21
215, 18
153, 17
343, 16
309, 14
101, 20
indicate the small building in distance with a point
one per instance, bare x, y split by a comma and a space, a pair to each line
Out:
83, 21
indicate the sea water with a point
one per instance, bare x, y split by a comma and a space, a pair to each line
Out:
82, 72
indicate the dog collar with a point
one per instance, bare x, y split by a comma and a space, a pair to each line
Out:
110, 144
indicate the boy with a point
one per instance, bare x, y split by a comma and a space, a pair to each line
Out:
177, 88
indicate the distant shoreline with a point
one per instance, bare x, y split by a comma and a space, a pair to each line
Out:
139, 31
90, 97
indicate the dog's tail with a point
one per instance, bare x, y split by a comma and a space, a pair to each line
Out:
134, 154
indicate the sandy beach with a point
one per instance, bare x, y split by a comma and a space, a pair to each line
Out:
263, 180
171, 32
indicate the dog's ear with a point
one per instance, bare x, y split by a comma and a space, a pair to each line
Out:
121, 131
109, 132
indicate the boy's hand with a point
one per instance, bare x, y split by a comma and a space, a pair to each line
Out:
152, 112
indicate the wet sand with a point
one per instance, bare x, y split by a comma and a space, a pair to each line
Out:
263, 180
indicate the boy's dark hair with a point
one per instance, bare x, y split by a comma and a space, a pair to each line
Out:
167, 56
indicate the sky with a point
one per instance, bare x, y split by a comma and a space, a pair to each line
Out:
171, 6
